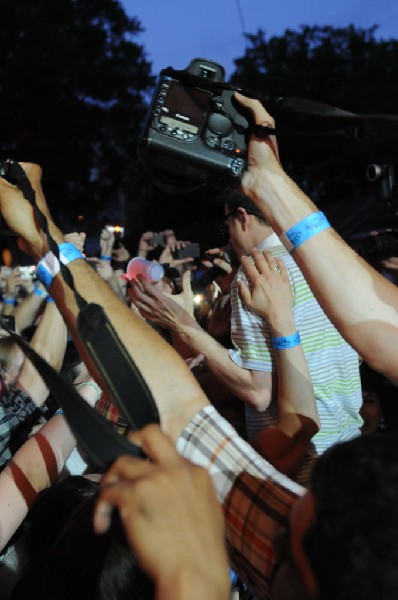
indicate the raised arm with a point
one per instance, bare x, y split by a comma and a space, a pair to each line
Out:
26, 311
49, 340
155, 359
361, 303
175, 313
269, 295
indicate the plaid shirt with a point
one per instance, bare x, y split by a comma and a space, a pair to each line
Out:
108, 410
15, 409
256, 498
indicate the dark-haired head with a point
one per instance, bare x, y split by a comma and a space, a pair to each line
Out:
352, 543
235, 199
68, 560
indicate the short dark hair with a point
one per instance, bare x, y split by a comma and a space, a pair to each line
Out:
352, 544
235, 199
67, 559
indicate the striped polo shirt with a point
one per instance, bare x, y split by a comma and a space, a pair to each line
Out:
332, 362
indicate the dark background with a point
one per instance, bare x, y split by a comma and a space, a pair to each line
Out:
75, 86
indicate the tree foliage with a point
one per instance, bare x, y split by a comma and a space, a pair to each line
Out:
346, 68
73, 94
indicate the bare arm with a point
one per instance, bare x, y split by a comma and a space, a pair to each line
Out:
175, 313
361, 303
16, 497
177, 403
269, 294
49, 340
26, 311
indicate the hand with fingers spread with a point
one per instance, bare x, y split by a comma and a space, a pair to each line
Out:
171, 517
268, 292
169, 311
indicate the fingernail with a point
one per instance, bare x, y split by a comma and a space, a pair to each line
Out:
102, 517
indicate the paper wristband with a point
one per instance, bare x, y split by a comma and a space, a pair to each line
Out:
8, 300
304, 230
105, 257
48, 267
290, 341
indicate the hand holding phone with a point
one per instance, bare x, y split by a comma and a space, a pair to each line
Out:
187, 251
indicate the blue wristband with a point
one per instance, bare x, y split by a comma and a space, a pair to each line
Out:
59, 411
8, 300
106, 258
68, 252
304, 230
290, 341
50, 299
48, 267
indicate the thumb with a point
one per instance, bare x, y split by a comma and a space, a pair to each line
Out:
244, 293
186, 283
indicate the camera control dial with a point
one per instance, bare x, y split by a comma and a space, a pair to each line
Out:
219, 124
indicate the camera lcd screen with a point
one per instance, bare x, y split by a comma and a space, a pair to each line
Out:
185, 108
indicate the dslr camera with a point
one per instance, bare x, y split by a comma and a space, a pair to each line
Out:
196, 133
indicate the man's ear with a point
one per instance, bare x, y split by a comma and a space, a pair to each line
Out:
242, 217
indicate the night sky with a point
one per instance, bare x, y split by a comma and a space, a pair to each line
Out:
178, 30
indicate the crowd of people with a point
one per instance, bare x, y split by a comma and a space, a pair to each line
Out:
271, 363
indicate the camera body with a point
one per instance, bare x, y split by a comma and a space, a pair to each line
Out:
195, 132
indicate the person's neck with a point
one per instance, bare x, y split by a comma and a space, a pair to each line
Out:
259, 233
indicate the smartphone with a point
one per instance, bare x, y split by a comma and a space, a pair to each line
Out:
116, 229
189, 251
160, 239
28, 272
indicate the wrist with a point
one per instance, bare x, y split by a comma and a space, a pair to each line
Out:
49, 266
281, 327
189, 582
285, 342
281, 200
186, 326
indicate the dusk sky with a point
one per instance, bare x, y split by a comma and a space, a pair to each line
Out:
178, 30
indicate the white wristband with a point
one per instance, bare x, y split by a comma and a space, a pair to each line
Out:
47, 268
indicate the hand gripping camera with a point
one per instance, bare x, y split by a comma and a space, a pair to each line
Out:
196, 132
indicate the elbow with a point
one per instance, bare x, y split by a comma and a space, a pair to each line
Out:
258, 399
307, 428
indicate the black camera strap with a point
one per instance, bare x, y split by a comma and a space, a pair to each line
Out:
129, 390
94, 434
